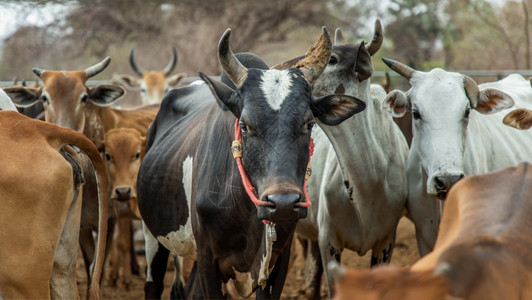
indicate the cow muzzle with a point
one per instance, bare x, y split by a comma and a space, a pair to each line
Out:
284, 208
122, 193
442, 184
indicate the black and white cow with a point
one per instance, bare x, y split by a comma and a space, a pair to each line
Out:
191, 195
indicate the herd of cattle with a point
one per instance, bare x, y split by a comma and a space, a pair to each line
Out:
219, 174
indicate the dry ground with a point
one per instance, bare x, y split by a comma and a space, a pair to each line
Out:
405, 254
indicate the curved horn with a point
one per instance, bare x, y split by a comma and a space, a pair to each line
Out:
317, 57
97, 68
172, 63
376, 42
400, 68
338, 37
232, 67
471, 89
37, 71
133, 64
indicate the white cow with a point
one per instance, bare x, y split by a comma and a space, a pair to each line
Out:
5, 102
457, 131
358, 186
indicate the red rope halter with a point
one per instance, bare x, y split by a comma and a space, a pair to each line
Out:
236, 148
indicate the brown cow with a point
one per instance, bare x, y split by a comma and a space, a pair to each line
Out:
153, 84
68, 102
40, 182
123, 150
483, 249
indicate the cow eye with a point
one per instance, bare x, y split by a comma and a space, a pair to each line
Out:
467, 112
143, 90
333, 60
310, 125
137, 156
84, 98
44, 98
243, 127
416, 115
108, 157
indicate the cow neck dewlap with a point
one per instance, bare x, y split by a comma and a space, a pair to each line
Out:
276, 85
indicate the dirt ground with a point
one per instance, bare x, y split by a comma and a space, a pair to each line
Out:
405, 254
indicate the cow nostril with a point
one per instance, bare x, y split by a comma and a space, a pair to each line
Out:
123, 193
439, 184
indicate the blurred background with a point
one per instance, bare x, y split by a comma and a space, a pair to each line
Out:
61, 34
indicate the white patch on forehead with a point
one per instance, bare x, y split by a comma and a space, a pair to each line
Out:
276, 86
182, 241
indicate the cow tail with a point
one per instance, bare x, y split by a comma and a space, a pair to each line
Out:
69, 137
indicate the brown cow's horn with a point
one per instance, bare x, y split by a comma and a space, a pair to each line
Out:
172, 63
232, 67
317, 57
338, 37
97, 68
376, 42
37, 71
471, 89
133, 64
400, 68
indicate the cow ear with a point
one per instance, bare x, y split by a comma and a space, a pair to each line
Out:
334, 109
105, 94
23, 96
520, 118
175, 79
224, 95
493, 100
126, 80
363, 66
100, 145
396, 103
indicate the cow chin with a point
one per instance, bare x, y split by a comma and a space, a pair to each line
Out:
285, 205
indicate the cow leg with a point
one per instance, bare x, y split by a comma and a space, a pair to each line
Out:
313, 270
135, 269
124, 242
330, 249
210, 281
192, 287
63, 283
156, 260
275, 283
382, 252
178, 286
114, 261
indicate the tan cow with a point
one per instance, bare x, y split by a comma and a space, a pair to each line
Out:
68, 102
153, 84
483, 250
40, 200
123, 150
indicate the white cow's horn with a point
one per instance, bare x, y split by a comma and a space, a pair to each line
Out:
400, 68
376, 42
471, 89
